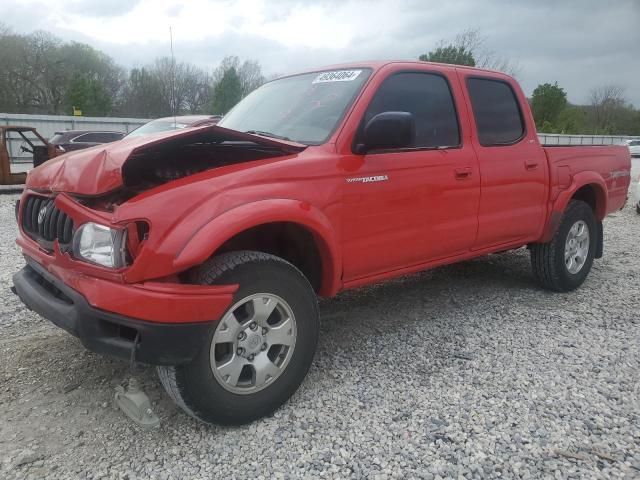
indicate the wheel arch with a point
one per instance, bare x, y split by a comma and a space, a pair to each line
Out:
595, 196
587, 187
305, 238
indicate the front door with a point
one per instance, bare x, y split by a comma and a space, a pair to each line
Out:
408, 206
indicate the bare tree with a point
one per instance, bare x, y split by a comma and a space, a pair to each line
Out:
607, 105
251, 76
181, 87
606, 95
43, 71
472, 41
250, 73
196, 89
169, 79
142, 95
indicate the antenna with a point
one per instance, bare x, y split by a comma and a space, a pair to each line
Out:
173, 80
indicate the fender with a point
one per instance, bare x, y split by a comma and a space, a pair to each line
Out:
206, 240
579, 180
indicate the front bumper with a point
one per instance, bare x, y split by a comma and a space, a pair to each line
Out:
105, 332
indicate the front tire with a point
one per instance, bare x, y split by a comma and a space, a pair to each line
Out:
258, 354
563, 264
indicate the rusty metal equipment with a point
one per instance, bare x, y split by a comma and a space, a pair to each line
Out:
37, 146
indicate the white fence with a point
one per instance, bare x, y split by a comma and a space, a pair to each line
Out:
560, 139
48, 125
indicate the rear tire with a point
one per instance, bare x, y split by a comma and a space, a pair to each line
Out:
249, 366
563, 264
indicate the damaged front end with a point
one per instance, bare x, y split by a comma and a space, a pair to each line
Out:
141, 163
80, 226
181, 157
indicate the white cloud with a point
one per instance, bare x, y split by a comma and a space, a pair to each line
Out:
579, 43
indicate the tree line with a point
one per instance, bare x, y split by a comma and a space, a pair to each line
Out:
607, 113
41, 74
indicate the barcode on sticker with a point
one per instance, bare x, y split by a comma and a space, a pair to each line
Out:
337, 76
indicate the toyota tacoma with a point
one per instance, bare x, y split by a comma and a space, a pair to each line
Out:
203, 251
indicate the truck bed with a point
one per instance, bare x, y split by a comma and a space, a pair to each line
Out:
611, 162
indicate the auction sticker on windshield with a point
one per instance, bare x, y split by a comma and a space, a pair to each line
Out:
337, 76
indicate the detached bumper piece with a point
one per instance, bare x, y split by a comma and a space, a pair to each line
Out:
104, 332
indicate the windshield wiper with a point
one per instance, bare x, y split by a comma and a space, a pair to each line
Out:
268, 134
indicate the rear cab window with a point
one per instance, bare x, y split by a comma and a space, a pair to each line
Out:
496, 110
427, 96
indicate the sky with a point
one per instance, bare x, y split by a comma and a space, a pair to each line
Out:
581, 44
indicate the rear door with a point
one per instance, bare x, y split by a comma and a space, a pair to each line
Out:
513, 167
407, 206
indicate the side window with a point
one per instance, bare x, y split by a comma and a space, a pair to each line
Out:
496, 111
97, 137
87, 137
428, 97
112, 137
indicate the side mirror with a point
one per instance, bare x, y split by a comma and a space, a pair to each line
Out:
388, 130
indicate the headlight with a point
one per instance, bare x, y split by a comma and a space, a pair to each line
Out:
101, 245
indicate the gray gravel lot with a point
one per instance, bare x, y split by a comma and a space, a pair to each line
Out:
467, 371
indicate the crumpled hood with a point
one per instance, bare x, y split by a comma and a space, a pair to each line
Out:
98, 170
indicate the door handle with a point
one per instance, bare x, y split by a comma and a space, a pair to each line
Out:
530, 164
463, 173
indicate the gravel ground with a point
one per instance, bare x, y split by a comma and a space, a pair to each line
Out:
467, 371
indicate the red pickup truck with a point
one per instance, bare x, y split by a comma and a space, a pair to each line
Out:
202, 251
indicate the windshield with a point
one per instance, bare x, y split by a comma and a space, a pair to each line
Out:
156, 126
302, 108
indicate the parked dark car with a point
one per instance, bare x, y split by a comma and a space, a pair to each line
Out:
79, 139
166, 124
